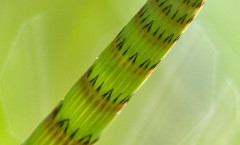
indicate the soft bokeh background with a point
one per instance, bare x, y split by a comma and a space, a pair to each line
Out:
191, 99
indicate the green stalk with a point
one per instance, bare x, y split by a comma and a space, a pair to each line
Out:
107, 86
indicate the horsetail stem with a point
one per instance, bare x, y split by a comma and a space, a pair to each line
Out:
107, 86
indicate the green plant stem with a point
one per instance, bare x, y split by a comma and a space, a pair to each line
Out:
103, 91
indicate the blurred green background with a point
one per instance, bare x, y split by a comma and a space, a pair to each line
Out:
191, 99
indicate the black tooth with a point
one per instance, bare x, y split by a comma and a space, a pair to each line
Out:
118, 39
86, 142
147, 65
90, 71
174, 14
182, 19
145, 19
57, 109
199, 4
134, 57
141, 10
93, 81
62, 122
162, 3
149, 28
92, 143
156, 31
126, 50
189, 20
108, 94
122, 102
149, 25
120, 45
120, 32
160, 36
88, 137
115, 100
74, 133
147, 61
155, 65
186, 1
168, 9
99, 88
142, 13
177, 38
168, 39
195, 3
127, 100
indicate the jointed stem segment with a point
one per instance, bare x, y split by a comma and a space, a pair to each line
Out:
122, 67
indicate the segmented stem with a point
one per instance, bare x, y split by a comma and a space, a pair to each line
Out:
103, 91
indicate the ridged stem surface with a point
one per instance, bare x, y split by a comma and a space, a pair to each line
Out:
107, 86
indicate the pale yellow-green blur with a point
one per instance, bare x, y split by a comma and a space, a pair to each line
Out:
192, 98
